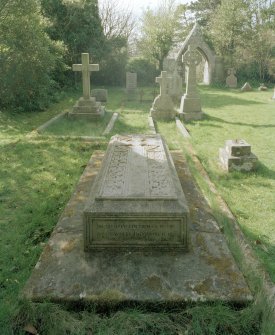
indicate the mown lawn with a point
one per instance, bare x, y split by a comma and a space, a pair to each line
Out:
39, 173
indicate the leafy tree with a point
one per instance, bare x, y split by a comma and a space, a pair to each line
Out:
203, 10
228, 28
242, 32
159, 31
77, 24
27, 56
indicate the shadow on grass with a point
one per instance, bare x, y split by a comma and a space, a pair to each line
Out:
220, 100
208, 117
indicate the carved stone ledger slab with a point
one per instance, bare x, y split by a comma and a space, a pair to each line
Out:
136, 200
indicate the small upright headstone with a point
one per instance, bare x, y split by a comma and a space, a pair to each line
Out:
100, 94
262, 87
231, 80
163, 107
131, 82
190, 106
246, 87
237, 156
86, 106
273, 94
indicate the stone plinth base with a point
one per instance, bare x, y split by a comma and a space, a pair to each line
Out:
207, 272
190, 108
163, 108
237, 156
87, 108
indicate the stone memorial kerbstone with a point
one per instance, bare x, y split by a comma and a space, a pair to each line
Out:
237, 156
136, 200
231, 80
190, 106
86, 106
163, 106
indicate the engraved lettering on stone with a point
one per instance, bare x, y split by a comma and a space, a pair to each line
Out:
127, 231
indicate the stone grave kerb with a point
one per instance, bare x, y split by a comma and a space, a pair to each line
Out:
86, 68
164, 81
192, 59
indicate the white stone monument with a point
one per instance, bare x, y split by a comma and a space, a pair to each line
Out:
86, 106
163, 107
190, 107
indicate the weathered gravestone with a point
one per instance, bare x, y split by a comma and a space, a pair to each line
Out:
131, 82
231, 79
190, 107
136, 200
163, 107
262, 87
246, 87
237, 156
86, 106
175, 88
100, 94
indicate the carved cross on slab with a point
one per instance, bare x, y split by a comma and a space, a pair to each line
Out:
191, 57
86, 69
164, 82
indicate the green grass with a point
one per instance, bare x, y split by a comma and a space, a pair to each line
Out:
39, 173
250, 116
67, 127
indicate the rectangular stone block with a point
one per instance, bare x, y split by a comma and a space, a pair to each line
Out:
238, 148
235, 163
136, 200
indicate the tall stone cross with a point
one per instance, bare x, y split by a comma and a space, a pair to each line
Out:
191, 58
86, 69
164, 82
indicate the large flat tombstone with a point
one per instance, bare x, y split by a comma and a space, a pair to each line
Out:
136, 201
86, 106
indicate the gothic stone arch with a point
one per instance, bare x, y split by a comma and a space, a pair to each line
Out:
213, 71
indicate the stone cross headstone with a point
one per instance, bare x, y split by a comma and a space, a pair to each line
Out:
192, 59
190, 106
175, 88
163, 107
86, 106
231, 80
86, 68
164, 82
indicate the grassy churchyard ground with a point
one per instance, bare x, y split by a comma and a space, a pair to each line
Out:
38, 175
